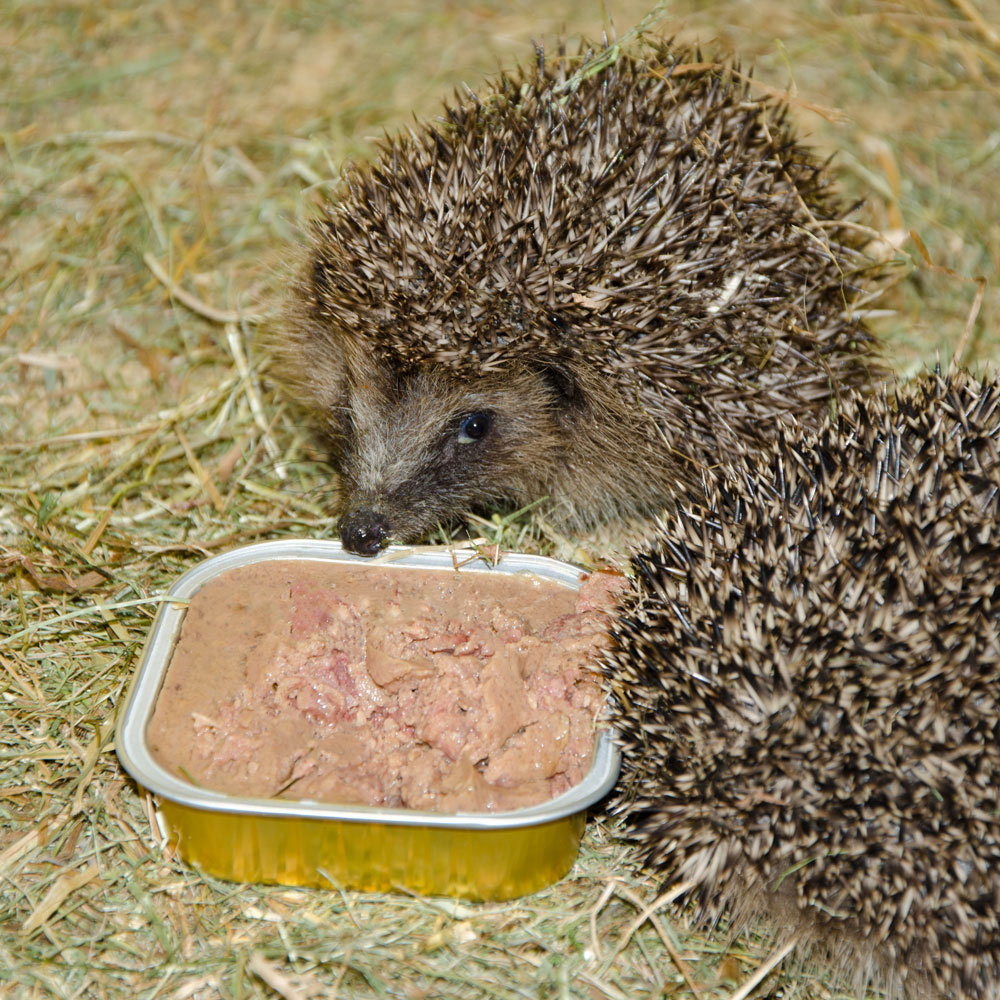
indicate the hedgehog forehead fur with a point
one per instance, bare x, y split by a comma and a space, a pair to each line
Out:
807, 682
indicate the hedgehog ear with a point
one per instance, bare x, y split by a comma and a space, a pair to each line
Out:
560, 381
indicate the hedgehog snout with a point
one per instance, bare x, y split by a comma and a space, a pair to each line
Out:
364, 531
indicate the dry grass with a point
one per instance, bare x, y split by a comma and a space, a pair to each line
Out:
155, 157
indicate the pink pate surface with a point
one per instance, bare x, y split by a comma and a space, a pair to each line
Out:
435, 690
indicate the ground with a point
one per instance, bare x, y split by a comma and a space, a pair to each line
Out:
156, 161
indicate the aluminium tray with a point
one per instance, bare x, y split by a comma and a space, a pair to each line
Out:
475, 855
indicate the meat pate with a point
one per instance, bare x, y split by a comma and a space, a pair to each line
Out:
443, 691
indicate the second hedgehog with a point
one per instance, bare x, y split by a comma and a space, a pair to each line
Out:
805, 680
584, 286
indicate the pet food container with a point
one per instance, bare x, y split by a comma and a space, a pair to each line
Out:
483, 856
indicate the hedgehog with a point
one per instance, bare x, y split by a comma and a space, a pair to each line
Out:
805, 677
584, 284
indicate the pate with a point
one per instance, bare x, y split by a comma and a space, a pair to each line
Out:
442, 691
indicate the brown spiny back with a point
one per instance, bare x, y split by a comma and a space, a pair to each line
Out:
807, 683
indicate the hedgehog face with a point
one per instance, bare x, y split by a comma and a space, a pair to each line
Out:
415, 449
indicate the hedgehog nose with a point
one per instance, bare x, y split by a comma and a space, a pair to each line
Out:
364, 532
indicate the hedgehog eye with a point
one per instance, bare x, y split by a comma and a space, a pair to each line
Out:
473, 427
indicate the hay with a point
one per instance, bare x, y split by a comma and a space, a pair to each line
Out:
155, 158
